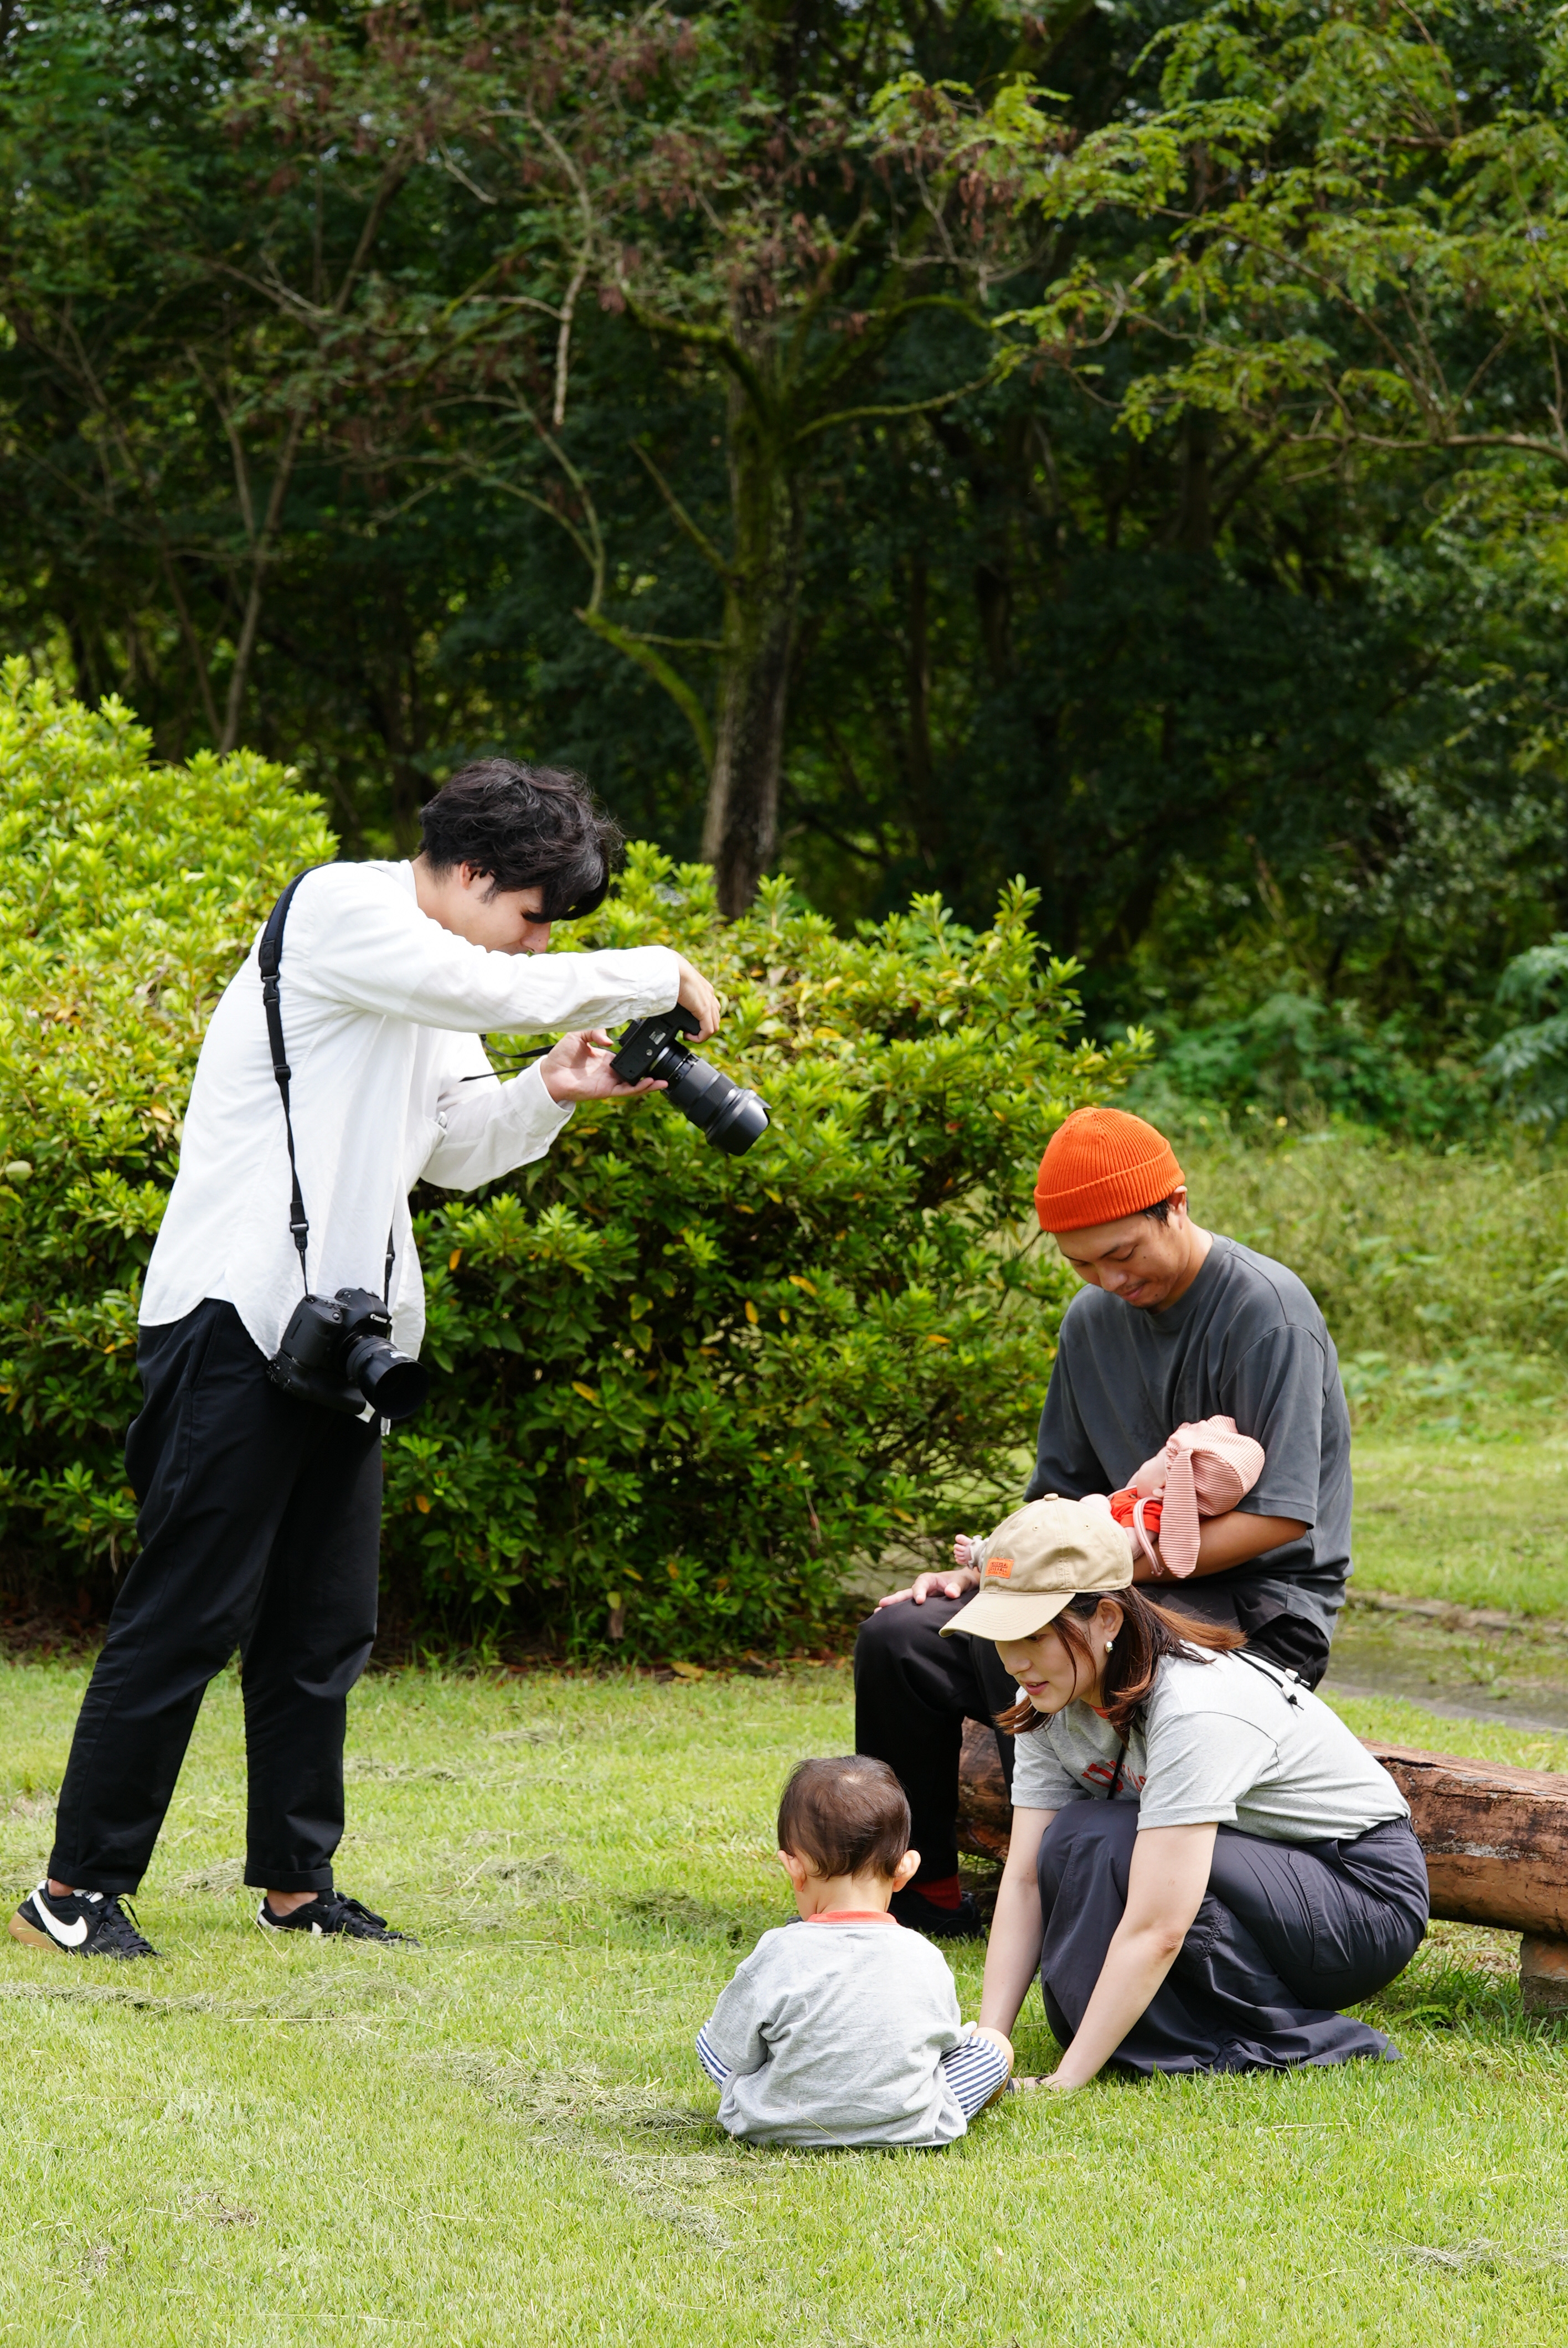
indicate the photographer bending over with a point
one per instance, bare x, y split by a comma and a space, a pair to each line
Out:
260, 1511
1205, 1863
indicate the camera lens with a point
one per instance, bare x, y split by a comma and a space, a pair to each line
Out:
730, 1115
740, 1123
389, 1380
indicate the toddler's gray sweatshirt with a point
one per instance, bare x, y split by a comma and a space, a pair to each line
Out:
834, 2033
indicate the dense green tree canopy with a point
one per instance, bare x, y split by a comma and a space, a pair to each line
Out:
1121, 443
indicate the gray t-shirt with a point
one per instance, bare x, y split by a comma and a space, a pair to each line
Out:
1248, 1341
836, 2034
1219, 1741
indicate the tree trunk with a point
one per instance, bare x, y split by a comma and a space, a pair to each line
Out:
741, 826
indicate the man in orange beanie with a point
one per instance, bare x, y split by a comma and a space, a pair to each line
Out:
1172, 1323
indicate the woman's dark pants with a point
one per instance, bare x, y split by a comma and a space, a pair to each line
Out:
1287, 1934
260, 1527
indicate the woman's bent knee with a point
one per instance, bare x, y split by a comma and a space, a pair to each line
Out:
1088, 1833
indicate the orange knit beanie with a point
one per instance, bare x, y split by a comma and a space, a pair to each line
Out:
1100, 1165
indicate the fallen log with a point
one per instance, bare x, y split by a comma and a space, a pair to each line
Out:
1495, 1839
985, 1806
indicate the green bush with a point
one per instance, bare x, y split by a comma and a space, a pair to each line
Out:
1531, 1061
128, 893
678, 1394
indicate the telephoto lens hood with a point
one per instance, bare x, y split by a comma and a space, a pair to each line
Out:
731, 1115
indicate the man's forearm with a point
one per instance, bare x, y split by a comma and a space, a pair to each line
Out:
1232, 1539
492, 1129
370, 946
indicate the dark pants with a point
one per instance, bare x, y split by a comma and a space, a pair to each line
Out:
1287, 1934
913, 1690
260, 1527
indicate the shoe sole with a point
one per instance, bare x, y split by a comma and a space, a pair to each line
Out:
31, 1938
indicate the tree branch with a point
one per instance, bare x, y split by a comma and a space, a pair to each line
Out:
640, 650
906, 407
699, 537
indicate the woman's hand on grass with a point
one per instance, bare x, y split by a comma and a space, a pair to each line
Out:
1012, 1950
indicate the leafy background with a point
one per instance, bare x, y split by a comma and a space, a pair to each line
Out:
680, 1396
1228, 608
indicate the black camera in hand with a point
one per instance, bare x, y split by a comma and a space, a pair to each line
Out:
731, 1115
338, 1350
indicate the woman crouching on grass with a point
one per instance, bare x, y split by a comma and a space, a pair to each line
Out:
1206, 1864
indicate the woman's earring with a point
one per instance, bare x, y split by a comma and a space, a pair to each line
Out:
1108, 1644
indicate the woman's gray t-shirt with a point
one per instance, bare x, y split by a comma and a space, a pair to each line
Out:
1227, 1741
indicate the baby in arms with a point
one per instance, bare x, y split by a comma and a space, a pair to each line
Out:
1204, 1470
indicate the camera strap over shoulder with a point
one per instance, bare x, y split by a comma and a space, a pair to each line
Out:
269, 958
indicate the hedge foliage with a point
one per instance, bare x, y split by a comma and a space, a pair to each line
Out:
679, 1394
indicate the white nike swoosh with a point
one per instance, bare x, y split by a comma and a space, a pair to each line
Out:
69, 1936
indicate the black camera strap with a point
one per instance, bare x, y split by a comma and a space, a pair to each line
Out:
269, 958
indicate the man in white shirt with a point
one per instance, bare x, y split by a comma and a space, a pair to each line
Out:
259, 1513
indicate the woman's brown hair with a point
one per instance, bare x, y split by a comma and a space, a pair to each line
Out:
1148, 1634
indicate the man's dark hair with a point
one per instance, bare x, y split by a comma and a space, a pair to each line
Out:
844, 1818
527, 826
1160, 1212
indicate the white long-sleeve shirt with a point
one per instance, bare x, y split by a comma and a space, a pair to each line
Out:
383, 1010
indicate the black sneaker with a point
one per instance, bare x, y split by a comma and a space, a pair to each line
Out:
329, 1912
913, 1909
79, 1924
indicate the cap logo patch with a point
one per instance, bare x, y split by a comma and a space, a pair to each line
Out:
998, 1569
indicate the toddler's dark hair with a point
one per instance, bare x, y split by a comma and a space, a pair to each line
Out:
844, 1816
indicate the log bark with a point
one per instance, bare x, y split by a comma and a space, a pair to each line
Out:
985, 1809
1496, 1838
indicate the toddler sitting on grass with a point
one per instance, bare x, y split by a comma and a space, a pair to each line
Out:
845, 2030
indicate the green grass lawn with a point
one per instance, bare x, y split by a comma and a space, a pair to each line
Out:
1480, 1523
505, 2137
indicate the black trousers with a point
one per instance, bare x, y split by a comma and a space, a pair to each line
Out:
1287, 1934
913, 1690
260, 1525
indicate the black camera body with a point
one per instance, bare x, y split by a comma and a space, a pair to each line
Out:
731, 1115
337, 1351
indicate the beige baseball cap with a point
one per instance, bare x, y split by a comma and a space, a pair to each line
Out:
1036, 1560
